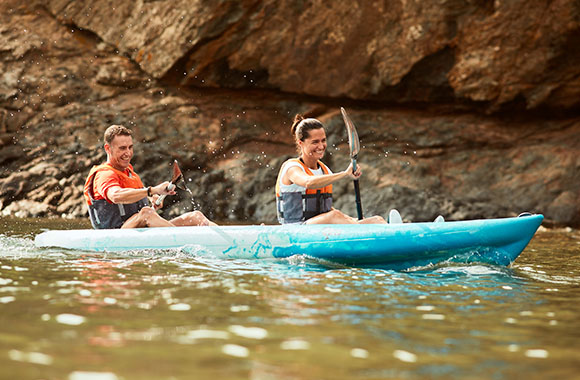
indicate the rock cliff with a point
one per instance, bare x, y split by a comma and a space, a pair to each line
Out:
465, 108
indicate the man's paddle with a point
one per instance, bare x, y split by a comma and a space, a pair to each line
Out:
354, 145
176, 180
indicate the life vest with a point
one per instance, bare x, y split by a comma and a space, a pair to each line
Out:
299, 206
104, 214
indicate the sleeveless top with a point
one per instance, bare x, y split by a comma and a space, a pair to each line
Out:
295, 203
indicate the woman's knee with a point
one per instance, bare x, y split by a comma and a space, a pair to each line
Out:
340, 214
340, 217
377, 219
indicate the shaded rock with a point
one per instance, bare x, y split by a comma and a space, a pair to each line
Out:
565, 207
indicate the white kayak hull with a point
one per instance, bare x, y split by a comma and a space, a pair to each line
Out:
396, 246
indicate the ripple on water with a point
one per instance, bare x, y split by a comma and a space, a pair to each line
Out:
85, 375
30, 357
236, 350
249, 332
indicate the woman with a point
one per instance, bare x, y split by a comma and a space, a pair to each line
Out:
304, 184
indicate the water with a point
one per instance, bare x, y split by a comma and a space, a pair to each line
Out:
171, 315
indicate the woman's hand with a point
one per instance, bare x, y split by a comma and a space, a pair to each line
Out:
356, 174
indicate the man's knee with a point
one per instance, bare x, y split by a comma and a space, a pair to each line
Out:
146, 211
196, 218
145, 215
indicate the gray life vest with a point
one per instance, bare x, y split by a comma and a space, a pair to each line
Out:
299, 206
105, 215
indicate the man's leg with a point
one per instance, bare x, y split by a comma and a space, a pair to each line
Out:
194, 218
147, 217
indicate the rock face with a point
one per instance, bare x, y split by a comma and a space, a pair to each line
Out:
464, 108
491, 52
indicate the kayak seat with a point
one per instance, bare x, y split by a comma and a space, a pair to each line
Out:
439, 219
395, 217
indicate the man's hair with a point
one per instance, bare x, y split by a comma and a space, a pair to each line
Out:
116, 130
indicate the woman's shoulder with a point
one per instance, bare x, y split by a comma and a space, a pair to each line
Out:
292, 162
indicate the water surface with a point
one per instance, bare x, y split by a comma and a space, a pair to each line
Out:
173, 315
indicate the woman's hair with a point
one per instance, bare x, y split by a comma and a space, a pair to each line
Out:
301, 127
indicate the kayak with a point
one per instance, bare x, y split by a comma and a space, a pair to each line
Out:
391, 246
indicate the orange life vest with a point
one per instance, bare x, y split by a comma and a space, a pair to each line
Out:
104, 214
299, 206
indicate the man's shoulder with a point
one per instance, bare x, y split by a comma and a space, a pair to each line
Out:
104, 169
108, 169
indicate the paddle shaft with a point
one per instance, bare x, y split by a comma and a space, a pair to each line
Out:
162, 197
357, 193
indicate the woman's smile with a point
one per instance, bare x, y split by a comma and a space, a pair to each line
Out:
315, 144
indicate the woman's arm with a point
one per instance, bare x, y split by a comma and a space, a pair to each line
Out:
298, 176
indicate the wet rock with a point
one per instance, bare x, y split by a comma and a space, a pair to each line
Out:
496, 53
27, 209
12, 187
215, 86
118, 71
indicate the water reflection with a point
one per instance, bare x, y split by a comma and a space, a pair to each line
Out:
74, 312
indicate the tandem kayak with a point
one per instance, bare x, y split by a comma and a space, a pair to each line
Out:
392, 246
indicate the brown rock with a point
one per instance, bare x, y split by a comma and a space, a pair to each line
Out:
490, 52
565, 207
65, 79
27, 209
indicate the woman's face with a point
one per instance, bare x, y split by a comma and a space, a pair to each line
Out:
314, 145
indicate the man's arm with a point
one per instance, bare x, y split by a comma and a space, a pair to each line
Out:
117, 194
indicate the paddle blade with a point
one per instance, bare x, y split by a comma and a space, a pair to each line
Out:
177, 178
353, 141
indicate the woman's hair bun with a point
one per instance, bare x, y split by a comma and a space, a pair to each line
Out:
297, 119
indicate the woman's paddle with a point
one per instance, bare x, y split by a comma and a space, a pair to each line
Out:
354, 145
176, 180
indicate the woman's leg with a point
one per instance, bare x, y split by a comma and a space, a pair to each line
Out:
338, 217
373, 220
332, 217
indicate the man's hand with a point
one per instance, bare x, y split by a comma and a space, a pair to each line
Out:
161, 189
155, 205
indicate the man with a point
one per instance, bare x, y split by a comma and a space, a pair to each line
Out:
116, 197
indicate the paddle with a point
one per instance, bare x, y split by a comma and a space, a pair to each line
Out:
354, 145
176, 180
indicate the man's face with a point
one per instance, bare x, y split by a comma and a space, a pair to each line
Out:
120, 152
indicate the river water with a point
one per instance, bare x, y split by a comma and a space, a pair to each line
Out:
170, 315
